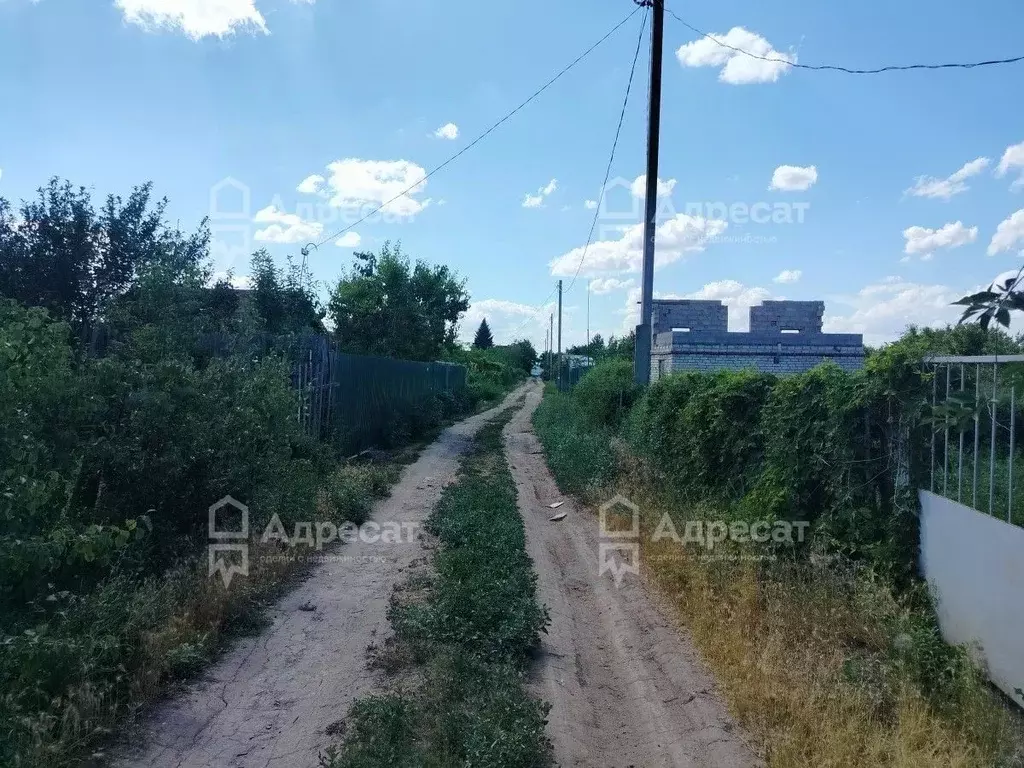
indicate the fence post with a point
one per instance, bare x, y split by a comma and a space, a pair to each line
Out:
960, 450
977, 434
1013, 428
992, 443
935, 385
945, 439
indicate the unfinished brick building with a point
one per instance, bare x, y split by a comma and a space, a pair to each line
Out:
784, 337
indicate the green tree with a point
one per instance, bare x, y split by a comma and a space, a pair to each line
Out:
966, 339
384, 305
60, 253
594, 349
285, 300
483, 339
519, 355
623, 346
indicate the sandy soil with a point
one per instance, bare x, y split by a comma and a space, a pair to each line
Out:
268, 702
625, 686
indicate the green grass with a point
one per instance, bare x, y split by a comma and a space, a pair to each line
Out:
579, 452
466, 641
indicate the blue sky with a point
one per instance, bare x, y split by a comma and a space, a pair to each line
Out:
892, 194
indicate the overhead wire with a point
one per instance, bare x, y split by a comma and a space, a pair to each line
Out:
835, 68
608, 168
611, 156
486, 133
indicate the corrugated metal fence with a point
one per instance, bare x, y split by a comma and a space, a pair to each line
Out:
352, 401
356, 401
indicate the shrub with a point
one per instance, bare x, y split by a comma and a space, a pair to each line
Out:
107, 469
702, 431
607, 391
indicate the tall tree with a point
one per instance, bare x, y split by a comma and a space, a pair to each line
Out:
285, 300
60, 253
384, 305
483, 339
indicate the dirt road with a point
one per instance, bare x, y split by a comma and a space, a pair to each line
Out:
268, 701
625, 688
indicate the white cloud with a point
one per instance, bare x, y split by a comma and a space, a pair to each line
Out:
1009, 232
639, 186
449, 131
590, 204
882, 311
600, 286
735, 295
285, 227
739, 298
926, 241
630, 311
196, 18
243, 282
674, 238
1012, 160
311, 185
362, 184
508, 320
737, 69
929, 186
536, 201
788, 276
349, 240
794, 178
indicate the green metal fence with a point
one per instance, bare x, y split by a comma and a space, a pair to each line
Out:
356, 401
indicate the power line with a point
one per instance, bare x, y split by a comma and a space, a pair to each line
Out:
611, 157
533, 317
847, 70
488, 132
607, 173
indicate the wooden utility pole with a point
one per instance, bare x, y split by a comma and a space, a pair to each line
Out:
559, 335
551, 345
642, 348
545, 356
588, 317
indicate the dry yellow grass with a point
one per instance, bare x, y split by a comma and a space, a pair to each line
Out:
782, 640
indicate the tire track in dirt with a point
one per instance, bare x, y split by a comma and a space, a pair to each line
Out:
625, 686
267, 702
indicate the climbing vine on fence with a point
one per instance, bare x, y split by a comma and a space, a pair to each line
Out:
842, 451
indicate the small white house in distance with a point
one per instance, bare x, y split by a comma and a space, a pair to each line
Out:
578, 361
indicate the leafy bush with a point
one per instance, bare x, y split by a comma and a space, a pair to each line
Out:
607, 391
701, 432
108, 468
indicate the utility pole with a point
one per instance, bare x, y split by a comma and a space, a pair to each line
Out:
545, 344
588, 317
642, 353
559, 335
551, 344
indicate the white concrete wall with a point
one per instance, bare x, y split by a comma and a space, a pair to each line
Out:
976, 565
